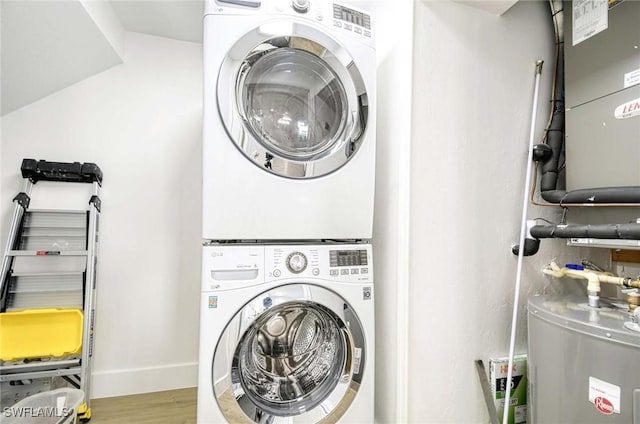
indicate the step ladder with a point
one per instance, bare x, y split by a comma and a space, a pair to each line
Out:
48, 289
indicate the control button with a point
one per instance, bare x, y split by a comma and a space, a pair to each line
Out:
357, 30
333, 272
319, 18
300, 6
315, 271
355, 271
344, 272
296, 262
367, 33
347, 27
337, 24
277, 273
364, 270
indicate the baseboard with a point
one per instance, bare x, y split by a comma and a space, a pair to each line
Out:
143, 380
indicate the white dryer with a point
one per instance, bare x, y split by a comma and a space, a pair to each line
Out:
286, 334
289, 120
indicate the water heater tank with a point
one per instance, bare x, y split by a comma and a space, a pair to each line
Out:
584, 363
602, 93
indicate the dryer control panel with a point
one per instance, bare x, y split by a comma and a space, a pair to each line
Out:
346, 19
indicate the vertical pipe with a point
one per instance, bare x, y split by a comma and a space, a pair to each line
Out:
523, 233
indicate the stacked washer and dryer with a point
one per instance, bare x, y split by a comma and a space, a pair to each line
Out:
287, 310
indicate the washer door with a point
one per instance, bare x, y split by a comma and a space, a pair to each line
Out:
292, 354
294, 103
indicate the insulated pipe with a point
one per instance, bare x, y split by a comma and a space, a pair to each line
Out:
552, 178
629, 231
599, 196
523, 234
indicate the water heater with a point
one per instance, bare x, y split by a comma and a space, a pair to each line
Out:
602, 93
584, 362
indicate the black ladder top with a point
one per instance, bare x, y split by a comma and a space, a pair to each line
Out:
75, 172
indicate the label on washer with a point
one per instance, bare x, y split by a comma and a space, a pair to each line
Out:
213, 302
357, 358
604, 396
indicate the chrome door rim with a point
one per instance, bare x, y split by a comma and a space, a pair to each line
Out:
229, 392
309, 40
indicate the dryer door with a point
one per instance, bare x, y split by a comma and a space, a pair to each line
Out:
292, 354
294, 103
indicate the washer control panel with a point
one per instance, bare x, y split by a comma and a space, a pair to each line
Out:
227, 267
346, 263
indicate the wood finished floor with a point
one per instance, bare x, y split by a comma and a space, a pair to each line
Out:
171, 407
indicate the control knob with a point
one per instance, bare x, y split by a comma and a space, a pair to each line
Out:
296, 262
300, 6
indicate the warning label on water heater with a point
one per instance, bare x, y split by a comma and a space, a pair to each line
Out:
604, 396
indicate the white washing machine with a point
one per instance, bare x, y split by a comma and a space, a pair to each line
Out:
289, 120
287, 334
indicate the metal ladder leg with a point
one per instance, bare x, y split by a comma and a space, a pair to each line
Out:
84, 412
21, 203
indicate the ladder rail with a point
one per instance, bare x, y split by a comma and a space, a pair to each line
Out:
7, 259
90, 293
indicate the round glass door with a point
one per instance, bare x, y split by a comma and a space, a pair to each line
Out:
292, 354
291, 359
295, 105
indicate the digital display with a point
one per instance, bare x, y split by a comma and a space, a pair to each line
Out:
348, 257
352, 16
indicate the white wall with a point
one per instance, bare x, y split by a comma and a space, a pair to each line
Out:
394, 39
473, 89
141, 123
